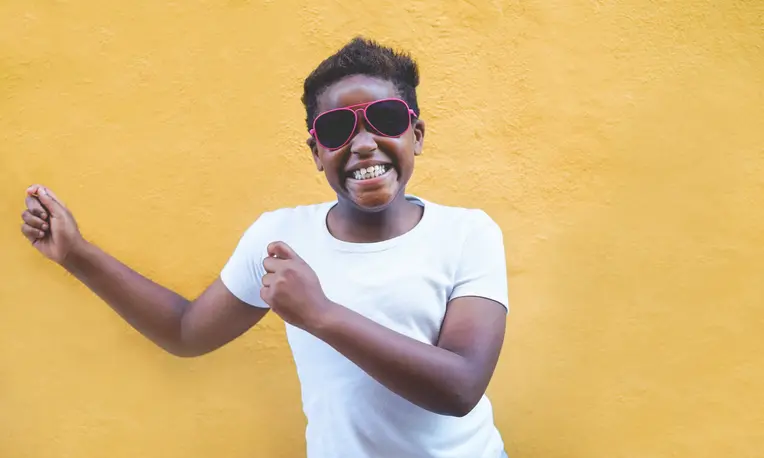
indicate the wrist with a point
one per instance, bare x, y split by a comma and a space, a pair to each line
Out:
77, 255
327, 314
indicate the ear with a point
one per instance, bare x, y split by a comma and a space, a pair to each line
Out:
418, 136
311, 142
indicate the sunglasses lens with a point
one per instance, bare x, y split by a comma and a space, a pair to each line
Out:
334, 128
389, 117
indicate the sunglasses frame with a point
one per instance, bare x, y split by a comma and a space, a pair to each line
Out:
355, 109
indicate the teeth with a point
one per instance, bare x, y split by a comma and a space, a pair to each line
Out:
369, 172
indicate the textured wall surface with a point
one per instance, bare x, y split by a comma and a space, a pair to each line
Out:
619, 144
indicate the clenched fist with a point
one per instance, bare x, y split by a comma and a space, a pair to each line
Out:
291, 288
49, 225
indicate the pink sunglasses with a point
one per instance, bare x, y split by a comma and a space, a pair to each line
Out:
333, 129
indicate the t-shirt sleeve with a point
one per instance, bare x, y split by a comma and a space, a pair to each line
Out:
244, 271
482, 269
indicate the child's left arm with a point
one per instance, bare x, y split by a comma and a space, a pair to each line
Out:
448, 378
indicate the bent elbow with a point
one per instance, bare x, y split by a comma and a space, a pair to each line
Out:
462, 408
462, 403
182, 351
185, 354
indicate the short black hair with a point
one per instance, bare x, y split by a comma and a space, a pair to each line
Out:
362, 56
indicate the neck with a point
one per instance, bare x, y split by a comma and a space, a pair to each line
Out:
351, 224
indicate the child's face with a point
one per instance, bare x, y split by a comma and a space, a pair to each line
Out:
367, 148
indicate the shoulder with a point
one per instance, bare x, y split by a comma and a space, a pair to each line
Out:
285, 215
464, 220
287, 220
474, 246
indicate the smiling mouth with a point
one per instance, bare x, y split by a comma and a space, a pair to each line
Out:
369, 173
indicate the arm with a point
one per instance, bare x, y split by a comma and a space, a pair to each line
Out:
179, 326
449, 378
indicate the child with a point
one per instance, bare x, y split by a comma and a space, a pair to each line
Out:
395, 307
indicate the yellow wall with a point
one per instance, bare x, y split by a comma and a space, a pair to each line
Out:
619, 144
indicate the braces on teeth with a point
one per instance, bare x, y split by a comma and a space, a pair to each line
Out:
370, 172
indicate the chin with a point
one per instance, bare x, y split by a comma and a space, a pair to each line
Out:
373, 205
373, 202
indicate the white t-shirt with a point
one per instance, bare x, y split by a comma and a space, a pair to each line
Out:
403, 283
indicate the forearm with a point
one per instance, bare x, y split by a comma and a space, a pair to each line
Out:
431, 377
155, 311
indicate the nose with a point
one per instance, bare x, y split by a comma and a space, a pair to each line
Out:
363, 142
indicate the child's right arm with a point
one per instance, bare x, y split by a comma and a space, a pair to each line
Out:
181, 327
